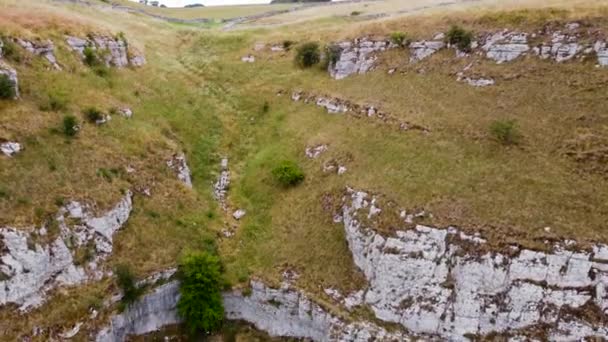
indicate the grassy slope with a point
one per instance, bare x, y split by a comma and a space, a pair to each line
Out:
196, 95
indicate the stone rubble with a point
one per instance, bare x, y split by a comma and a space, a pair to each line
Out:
45, 49
31, 269
11, 73
115, 51
220, 188
336, 106
179, 165
601, 49
10, 148
126, 112
562, 47
356, 57
437, 284
315, 151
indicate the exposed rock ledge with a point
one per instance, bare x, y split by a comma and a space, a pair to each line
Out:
427, 280
29, 268
279, 312
118, 53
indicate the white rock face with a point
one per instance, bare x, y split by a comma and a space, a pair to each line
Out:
333, 106
10, 148
179, 165
150, 313
356, 57
11, 73
126, 112
116, 52
562, 47
287, 312
239, 214
279, 312
427, 280
31, 269
506, 46
45, 49
423, 49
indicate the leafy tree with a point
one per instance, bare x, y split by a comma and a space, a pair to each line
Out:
200, 304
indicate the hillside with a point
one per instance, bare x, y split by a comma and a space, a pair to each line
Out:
453, 158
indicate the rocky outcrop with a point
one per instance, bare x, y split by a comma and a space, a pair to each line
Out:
506, 46
10, 148
29, 267
335, 105
282, 312
355, 57
112, 51
562, 47
179, 165
44, 48
150, 313
601, 49
11, 74
442, 283
248, 59
315, 151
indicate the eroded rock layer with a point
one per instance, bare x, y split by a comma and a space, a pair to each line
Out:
435, 282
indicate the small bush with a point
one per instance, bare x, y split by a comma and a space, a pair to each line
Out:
400, 38
93, 114
308, 55
332, 54
265, 107
288, 173
355, 13
287, 44
7, 88
70, 125
127, 282
200, 303
460, 37
505, 132
55, 103
10, 50
90, 56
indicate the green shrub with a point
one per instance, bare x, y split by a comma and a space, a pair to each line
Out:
265, 107
56, 103
332, 54
308, 55
70, 125
93, 114
460, 37
287, 44
128, 284
355, 13
288, 173
90, 56
400, 38
200, 303
7, 88
10, 50
505, 132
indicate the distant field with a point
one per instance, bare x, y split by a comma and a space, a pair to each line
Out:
215, 12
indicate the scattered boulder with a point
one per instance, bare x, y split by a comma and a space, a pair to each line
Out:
601, 50
239, 214
562, 47
248, 59
506, 46
259, 46
31, 268
10, 148
314, 152
277, 48
45, 49
126, 112
356, 57
440, 282
179, 165
11, 74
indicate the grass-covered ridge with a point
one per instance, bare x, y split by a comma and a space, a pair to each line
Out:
195, 95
